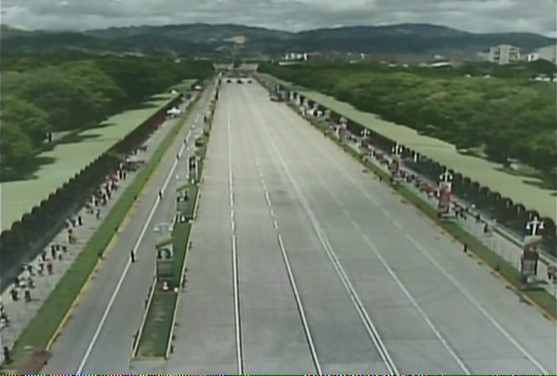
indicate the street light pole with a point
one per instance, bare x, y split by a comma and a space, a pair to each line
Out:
415, 157
534, 225
444, 202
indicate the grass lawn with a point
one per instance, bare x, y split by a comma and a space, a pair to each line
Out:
518, 188
67, 159
156, 332
44, 325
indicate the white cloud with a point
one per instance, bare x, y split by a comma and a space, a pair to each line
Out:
538, 16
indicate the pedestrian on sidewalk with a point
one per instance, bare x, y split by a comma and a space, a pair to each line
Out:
4, 317
98, 214
30, 283
552, 273
7, 355
16, 281
52, 251
465, 248
14, 294
49, 268
43, 255
79, 220
132, 256
30, 269
41, 268
160, 195
27, 295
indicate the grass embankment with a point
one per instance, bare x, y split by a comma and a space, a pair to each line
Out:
42, 329
67, 157
507, 271
156, 336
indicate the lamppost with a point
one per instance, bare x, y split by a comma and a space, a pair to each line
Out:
444, 203
533, 226
445, 179
415, 156
395, 162
530, 256
343, 122
397, 149
365, 133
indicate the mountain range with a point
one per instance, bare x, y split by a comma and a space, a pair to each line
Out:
223, 39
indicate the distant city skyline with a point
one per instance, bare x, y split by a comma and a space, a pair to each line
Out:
480, 16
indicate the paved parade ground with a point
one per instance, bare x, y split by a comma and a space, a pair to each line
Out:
301, 263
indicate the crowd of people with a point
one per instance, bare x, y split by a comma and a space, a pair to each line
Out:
49, 260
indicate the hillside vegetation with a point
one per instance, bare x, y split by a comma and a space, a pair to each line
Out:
42, 95
206, 39
506, 118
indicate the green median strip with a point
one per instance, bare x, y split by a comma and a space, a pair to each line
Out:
155, 337
156, 332
43, 327
539, 296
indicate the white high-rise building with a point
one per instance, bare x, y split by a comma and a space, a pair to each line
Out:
504, 54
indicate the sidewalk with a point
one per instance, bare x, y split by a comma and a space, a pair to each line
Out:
20, 312
507, 249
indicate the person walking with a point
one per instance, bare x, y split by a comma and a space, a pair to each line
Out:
132, 256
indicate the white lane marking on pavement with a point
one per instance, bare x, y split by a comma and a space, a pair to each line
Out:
477, 304
390, 271
397, 224
339, 168
300, 307
355, 224
368, 324
454, 281
234, 254
386, 213
416, 305
124, 273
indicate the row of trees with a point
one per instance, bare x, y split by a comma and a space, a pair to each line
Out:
506, 118
39, 98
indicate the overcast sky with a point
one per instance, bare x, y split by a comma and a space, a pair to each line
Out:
538, 16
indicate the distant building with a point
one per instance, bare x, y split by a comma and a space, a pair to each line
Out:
296, 56
532, 56
504, 54
548, 53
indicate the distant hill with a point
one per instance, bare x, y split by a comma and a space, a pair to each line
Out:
225, 38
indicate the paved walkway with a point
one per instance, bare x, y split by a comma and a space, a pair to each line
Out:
20, 312
507, 249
